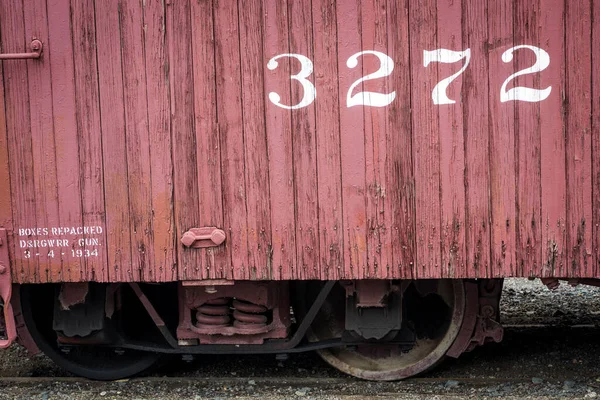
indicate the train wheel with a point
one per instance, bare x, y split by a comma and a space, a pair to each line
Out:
434, 316
93, 362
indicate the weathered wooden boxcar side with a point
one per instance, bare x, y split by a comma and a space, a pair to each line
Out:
238, 146
141, 121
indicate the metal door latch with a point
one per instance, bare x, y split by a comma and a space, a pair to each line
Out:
203, 237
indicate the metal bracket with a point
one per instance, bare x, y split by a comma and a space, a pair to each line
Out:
5, 292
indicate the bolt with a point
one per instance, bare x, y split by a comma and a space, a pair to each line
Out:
487, 311
187, 357
2, 268
36, 45
282, 356
119, 352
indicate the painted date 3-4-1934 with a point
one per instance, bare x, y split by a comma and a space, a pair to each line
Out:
62, 241
386, 66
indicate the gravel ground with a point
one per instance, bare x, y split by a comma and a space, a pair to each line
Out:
550, 350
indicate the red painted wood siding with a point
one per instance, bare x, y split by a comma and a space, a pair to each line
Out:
144, 119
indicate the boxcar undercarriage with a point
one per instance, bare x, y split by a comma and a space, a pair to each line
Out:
371, 329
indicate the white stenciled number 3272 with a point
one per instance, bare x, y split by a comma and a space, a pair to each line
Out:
386, 66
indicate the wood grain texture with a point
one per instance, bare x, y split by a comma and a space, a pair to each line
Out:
149, 118
452, 141
378, 208
42, 139
215, 262
305, 147
401, 184
87, 107
255, 141
156, 65
502, 141
279, 140
185, 167
476, 122
20, 144
116, 195
6, 216
426, 141
66, 134
327, 131
579, 136
527, 145
229, 113
552, 122
137, 139
596, 134
352, 143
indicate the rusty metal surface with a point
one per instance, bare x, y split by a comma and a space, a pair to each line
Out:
350, 140
243, 313
24, 336
402, 365
72, 294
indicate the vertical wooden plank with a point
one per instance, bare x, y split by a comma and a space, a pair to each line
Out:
42, 139
6, 216
137, 138
596, 132
426, 142
66, 135
378, 209
327, 131
452, 142
160, 145
208, 144
186, 196
279, 141
305, 149
19, 134
231, 129
579, 137
553, 174
476, 122
527, 143
88, 125
257, 169
352, 143
401, 195
502, 141
110, 79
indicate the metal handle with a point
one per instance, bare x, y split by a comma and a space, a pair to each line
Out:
36, 52
203, 237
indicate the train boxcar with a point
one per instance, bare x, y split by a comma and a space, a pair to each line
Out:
274, 176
